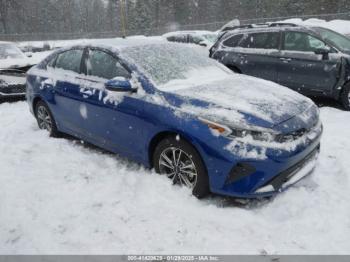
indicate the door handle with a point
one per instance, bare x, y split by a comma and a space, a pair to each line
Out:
86, 92
285, 60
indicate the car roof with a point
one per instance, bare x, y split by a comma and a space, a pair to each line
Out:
268, 28
118, 44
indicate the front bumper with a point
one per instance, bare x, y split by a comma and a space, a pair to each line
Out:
290, 176
12, 91
253, 177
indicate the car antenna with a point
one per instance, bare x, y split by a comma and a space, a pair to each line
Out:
122, 14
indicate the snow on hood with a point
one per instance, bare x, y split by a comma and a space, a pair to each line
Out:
15, 63
234, 97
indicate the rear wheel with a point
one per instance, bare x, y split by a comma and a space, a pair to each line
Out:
180, 162
234, 69
45, 119
345, 97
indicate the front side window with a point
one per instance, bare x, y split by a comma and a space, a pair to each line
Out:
268, 40
70, 60
105, 66
298, 41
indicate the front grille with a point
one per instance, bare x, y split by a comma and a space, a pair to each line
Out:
13, 89
282, 138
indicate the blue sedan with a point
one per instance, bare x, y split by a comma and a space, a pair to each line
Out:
171, 108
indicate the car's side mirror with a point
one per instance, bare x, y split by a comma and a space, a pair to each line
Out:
119, 84
204, 44
324, 52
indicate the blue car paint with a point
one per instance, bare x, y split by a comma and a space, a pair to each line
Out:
129, 128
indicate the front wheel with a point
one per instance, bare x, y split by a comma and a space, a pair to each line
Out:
345, 97
180, 162
45, 119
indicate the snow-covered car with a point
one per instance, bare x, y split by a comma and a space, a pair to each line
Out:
168, 106
202, 38
13, 66
312, 60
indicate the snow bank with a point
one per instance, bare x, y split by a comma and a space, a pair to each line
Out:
61, 197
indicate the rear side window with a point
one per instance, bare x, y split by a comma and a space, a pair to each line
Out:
233, 41
171, 38
268, 40
105, 66
70, 60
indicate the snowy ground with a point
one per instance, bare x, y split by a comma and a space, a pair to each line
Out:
58, 196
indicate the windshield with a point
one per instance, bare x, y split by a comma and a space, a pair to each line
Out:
164, 63
338, 40
10, 51
211, 37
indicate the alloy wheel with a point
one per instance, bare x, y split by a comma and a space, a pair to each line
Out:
178, 166
44, 119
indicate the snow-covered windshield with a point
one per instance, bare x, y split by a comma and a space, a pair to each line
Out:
169, 63
340, 41
10, 51
210, 37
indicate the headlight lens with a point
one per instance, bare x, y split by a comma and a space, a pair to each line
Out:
218, 129
256, 135
237, 132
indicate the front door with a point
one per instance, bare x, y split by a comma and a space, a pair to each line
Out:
301, 69
112, 119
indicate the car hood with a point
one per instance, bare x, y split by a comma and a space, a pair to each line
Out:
242, 99
15, 63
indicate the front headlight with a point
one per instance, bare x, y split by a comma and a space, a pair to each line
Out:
234, 132
217, 129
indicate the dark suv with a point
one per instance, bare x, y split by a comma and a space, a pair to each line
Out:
311, 60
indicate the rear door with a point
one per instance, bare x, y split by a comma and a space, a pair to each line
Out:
66, 86
255, 54
301, 69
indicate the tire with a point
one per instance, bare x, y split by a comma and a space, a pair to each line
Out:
345, 97
45, 119
180, 161
235, 69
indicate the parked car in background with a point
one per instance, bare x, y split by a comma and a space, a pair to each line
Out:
191, 119
311, 60
202, 38
13, 66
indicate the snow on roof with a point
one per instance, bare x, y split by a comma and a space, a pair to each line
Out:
192, 32
120, 43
